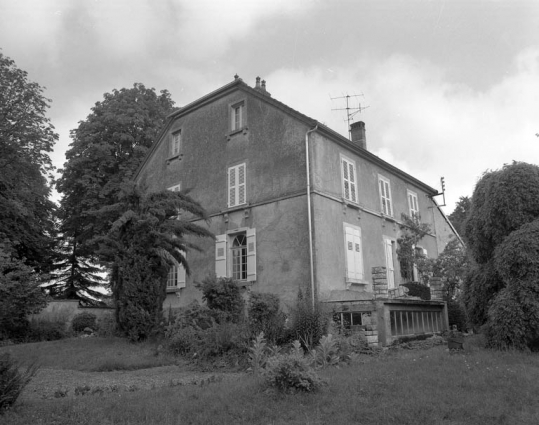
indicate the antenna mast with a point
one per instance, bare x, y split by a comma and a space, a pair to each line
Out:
351, 111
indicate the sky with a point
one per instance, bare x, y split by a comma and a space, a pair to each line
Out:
447, 88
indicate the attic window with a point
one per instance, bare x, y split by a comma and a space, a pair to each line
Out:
237, 117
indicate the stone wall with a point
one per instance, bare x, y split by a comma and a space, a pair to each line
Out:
65, 310
379, 283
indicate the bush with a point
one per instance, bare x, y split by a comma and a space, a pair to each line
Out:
506, 327
456, 314
308, 323
106, 326
204, 332
266, 316
84, 320
45, 330
223, 294
290, 373
417, 289
12, 380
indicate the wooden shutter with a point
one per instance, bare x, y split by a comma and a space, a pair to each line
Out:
237, 185
390, 267
181, 274
251, 255
349, 180
385, 197
220, 255
354, 255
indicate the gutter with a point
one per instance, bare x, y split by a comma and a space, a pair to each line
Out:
309, 211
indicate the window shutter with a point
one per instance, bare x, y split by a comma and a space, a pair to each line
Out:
220, 255
350, 258
390, 268
241, 184
354, 256
181, 274
352, 175
251, 255
237, 185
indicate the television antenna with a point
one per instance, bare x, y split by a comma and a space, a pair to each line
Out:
351, 111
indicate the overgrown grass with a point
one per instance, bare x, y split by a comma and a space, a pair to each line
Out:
90, 354
404, 387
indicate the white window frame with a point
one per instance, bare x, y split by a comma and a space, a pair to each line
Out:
175, 143
237, 189
223, 253
386, 203
176, 277
355, 272
349, 179
413, 203
237, 116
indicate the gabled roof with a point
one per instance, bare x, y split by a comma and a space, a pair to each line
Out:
239, 84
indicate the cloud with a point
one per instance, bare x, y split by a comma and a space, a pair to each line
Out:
421, 121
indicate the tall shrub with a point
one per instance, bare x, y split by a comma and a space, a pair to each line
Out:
223, 294
308, 323
265, 316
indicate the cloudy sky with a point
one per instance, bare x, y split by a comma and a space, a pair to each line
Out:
452, 87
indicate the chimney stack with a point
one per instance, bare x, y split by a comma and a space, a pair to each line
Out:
261, 87
357, 132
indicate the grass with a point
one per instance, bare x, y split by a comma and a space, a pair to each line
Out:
90, 354
404, 387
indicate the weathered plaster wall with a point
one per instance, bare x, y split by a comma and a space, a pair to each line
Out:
282, 250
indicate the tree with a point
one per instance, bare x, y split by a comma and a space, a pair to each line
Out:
459, 215
107, 149
502, 232
452, 266
26, 137
149, 234
412, 231
20, 295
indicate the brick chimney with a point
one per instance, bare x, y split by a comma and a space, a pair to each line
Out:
357, 132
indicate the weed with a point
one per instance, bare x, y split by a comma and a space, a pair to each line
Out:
12, 380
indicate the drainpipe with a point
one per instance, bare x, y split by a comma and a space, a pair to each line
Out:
309, 211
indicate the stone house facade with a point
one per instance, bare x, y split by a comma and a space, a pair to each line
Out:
293, 204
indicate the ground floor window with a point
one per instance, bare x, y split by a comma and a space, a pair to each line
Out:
347, 321
235, 254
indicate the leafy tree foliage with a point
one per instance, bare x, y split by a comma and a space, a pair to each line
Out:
459, 215
223, 294
107, 149
502, 231
412, 231
149, 232
20, 295
26, 138
451, 265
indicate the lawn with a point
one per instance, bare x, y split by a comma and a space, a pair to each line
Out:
431, 386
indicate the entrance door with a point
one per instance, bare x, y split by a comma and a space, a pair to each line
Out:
390, 264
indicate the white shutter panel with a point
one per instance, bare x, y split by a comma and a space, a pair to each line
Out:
241, 184
251, 255
232, 186
220, 255
358, 255
389, 263
388, 195
346, 185
350, 258
352, 176
181, 274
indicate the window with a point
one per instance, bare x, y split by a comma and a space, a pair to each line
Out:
385, 196
176, 276
349, 179
175, 143
408, 267
235, 255
354, 254
236, 185
237, 117
347, 320
413, 206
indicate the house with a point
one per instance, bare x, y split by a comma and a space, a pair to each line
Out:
293, 204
